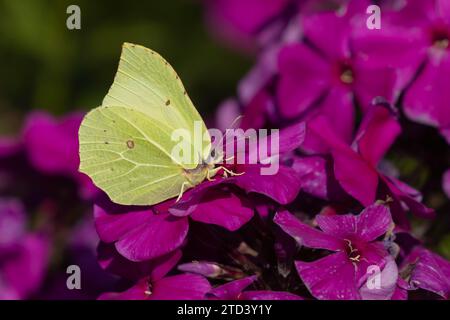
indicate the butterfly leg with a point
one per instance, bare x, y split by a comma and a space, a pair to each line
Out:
229, 172
183, 186
208, 176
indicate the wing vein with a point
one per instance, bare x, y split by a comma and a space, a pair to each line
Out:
157, 145
149, 184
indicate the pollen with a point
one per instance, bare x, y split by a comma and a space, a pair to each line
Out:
347, 76
352, 253
442, 44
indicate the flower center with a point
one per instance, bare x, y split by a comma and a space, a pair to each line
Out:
441, 38
345, 72
441, 44
352, 253
347, 76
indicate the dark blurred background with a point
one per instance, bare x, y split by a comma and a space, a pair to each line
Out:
43, 65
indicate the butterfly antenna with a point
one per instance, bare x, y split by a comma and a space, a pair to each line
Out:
236, 120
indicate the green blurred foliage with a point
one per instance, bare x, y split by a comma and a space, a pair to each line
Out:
444, 247
421, 156
43, 65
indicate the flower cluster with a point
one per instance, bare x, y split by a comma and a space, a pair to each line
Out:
359, 91
335, 222
45, 213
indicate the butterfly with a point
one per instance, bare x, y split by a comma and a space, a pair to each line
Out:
126, 145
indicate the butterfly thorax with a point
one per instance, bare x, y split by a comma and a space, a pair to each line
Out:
197, 175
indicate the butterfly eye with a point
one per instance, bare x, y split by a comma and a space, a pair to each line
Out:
213, 153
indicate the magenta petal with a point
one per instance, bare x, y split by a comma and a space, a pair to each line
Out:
341, 118
137, 292
321, 128
375, 254
306, 235
377, 133
88, 191
180, 287
268, 295
238, 21
283, 187
12, 222
155, 269
53, 145
372, 83
339, 226
25, 271
113, 222
221, 208
203, 268
226, 114
431, 272
334, 45
289, 138
408, 196
231, 290
159, 235
427, 100
349, 168
374, 221
413, 13
304, 77
418, 208
443, 8
254, 82
394, 47
398, 187
257, 111
371, 223
140, 234
187, 204
400, 293
388, 283
357, 177
313, 175
330, 278
316, 176
446, 183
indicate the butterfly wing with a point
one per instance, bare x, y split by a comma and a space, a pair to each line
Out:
146, 82
126, 146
